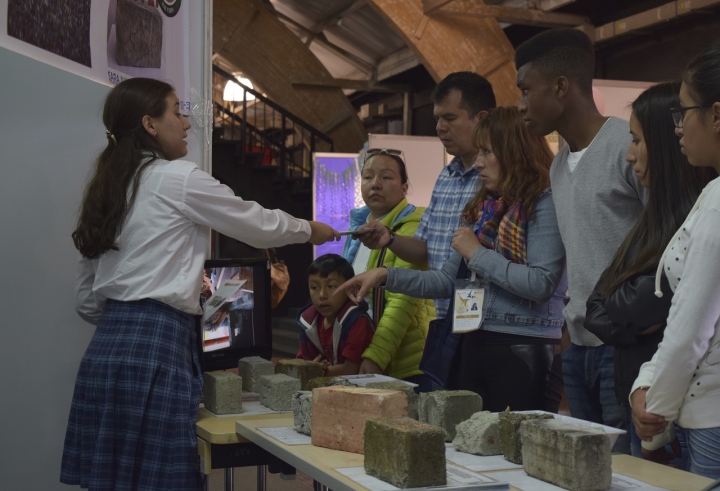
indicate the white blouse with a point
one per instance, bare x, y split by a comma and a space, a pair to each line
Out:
165, 237
684, 373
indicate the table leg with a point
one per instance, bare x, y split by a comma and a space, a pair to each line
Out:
318, 486
261, 478
229, 484
206, 487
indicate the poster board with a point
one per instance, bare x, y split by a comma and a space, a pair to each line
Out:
108, 41
616, 96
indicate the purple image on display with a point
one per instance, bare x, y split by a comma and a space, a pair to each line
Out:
335, 195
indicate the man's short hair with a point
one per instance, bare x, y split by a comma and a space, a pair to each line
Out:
475, 91
327, 263
560, 52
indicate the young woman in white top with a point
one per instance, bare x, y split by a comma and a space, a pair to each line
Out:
143, 231
681, 384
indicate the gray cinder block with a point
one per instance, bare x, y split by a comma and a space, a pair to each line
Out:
406, 389
300, 369
251, 368
277, 390
405, 452
446, 408
510, 436
567, 455
478, 435
222, 392
302, 411
138, 31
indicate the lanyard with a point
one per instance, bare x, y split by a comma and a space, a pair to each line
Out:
489, 207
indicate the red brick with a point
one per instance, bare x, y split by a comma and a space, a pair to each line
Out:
339, 414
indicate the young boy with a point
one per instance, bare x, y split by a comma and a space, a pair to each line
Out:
333, 330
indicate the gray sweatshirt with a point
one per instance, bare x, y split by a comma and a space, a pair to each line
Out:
596, 205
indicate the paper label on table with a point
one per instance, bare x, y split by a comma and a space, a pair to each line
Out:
625, 483
522, 481
458, 475
478, 463
364, 379
287, 435
467, 313
359, 475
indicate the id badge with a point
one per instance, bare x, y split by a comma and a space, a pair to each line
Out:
468, 304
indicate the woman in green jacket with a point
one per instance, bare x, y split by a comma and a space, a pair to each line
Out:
401, 321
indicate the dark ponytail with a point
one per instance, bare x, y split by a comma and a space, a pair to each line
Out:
106, 203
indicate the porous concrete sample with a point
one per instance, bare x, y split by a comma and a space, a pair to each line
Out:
405, 452
251, 368
339, 414
317, 382
406, 389
138, 34
277, 390
510, 436
300, 369
222, 392
478, 435
567, 455
302, 411
446, 408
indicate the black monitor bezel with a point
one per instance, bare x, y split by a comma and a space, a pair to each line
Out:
228, 358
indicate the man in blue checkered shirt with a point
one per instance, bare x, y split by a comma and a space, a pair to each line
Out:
460, 100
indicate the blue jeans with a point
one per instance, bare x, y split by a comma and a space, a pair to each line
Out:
588, 374
425, 383
704, 449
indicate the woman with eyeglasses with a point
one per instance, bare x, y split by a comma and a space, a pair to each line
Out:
623, 310
401, 320
512, 245
681, 383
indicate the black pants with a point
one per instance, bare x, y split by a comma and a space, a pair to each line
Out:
506, 370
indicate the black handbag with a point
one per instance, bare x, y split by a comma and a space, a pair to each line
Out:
441, 356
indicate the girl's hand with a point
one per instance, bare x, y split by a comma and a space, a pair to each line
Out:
465, 242
369, 366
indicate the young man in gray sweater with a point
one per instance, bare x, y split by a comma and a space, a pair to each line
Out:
597, 200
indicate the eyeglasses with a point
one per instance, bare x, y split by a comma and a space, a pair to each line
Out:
678, 114
371, 152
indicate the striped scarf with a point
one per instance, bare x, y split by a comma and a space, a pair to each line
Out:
503, 228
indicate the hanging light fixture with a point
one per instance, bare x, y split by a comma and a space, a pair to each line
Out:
234, 91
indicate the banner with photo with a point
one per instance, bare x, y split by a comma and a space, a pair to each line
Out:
110, 40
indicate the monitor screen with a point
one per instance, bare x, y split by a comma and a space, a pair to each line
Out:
235, 296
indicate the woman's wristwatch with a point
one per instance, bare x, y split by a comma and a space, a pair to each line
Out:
392, 238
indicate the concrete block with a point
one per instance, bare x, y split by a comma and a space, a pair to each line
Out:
300, 369
510, 436
277, 390
222, 392
138, 33
404, 388
567, 455
478, 435
317, 382
339, 414
446, 408
302, 411
405, 452
251, 368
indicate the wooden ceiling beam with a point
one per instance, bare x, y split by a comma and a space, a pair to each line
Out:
513, 15
350, 84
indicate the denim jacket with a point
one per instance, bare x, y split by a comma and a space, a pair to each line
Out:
524, 300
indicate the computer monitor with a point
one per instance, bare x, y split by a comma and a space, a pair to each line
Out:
241, 324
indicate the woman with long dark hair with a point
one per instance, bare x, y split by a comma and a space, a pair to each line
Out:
143, 232
623, 310
512, 244
680, 385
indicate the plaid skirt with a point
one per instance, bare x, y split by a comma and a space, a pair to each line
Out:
133, 413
